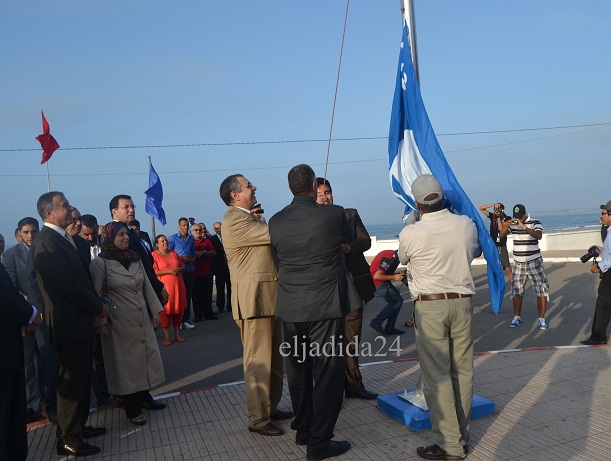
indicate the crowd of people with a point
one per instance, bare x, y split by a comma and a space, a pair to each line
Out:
81, 302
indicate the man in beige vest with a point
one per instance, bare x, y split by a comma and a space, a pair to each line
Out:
254, 278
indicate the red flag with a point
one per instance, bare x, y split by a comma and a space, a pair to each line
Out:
48, 142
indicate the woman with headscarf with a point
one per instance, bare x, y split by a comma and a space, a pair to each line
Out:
131, 354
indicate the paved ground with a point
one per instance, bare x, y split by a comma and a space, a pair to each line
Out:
551, 403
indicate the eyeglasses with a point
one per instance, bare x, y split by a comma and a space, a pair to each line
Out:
603, 213
196, 230
126, 207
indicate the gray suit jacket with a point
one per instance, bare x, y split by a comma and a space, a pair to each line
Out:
313, 284
14, 261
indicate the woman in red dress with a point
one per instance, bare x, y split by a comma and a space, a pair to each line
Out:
168, 268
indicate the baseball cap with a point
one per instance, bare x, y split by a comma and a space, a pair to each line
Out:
425, 185
519, 211
606, 206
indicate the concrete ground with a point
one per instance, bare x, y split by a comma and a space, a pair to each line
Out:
552, 395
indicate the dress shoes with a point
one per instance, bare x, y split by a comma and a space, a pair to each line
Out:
278, 415
79, 449
362, 394
591, 342
394, 331
269, 430
152, 404
333, 449
90, 431
50, 415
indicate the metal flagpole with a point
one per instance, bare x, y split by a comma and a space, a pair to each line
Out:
407, 8
48, 180
152, 218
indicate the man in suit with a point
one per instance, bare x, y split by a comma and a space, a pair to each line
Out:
221, 270
355, 244
17, 316
122, 209
14, 260
71, 306
312, 303
144, 236
74, 230
255, 276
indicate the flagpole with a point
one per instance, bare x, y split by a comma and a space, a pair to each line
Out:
407, 8
152, 218
48, 180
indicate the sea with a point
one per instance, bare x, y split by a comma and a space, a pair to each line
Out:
552, 221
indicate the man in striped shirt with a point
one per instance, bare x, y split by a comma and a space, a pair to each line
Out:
527, 264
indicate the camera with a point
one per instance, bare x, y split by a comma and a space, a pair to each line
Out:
593, 252
389, 265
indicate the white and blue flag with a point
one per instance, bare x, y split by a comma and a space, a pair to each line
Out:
413, 150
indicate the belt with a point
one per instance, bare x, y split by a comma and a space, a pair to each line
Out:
441, 296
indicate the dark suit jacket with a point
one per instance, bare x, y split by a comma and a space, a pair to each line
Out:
306, 238
83, 246
145, 236
147, 261
15, 311
218, 262
359, 242
14, 261
64, 280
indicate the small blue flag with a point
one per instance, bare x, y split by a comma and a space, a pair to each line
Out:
154, 197
413, 150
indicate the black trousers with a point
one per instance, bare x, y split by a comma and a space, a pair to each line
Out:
316, 381
75, 362
188, 278
602, 314
354, 327
223, 281
202, 297
13, 432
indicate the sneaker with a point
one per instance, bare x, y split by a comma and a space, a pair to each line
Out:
187, 325
516, 322
542, 324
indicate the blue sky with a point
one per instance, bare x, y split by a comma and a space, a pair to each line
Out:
110, 73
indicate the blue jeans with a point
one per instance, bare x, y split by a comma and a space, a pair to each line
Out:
390, 312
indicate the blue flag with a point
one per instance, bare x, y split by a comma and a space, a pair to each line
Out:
154, 197
413, 150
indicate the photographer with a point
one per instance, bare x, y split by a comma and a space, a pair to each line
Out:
499, 232
382, 270
602, 314
527, 264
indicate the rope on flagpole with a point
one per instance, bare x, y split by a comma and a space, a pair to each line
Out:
339, 66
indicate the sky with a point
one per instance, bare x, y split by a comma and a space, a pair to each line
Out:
232, 79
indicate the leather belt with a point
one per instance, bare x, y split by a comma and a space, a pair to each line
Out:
441, 296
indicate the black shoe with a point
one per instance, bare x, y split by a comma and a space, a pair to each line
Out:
153, 405
591, 342
211, 317
80, 449
51, 415
377, 328
302, 438
334, 449
362, 394
90, 431
394, 331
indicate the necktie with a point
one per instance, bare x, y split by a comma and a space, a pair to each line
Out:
70, 239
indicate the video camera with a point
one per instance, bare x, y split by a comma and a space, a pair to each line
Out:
593, 252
